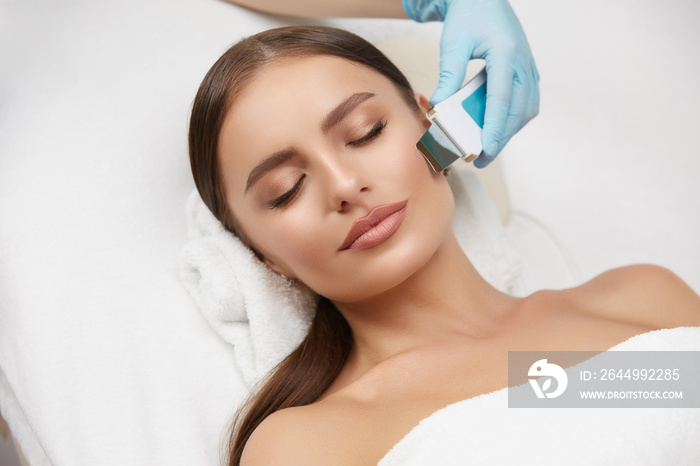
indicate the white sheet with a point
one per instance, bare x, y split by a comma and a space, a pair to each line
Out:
103, 358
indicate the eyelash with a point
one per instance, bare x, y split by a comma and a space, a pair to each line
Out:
374, 132
286, 197
289, 195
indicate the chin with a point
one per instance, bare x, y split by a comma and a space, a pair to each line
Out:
369, 273
387, 270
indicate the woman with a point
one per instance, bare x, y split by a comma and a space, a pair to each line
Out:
302, 142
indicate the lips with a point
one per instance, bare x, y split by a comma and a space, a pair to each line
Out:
375, 227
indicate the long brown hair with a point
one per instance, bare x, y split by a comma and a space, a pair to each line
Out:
304, 375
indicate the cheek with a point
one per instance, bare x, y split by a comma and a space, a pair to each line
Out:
291, 241
409, 163
404, 140
299, 239
432, 194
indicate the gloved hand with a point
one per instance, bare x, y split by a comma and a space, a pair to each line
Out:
490, 30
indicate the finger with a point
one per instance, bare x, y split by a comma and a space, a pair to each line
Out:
499, 86
454, 56
482, 161
534, 106
520, 102
524, 105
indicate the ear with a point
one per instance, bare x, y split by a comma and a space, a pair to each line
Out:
422, 102
424, 106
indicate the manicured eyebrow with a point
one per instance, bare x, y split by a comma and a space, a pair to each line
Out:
333, 118
348, 105
271, 162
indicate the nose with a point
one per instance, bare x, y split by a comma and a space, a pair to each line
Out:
347, 184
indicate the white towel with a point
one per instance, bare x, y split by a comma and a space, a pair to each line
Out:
484, 431
265, 317
258, 311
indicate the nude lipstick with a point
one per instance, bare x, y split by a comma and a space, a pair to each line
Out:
375, 227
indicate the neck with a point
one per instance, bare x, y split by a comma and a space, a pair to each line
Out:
445, 299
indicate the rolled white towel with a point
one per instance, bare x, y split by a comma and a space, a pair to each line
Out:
258, 311
265, 317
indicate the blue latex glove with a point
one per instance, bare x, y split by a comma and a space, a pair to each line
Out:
490, 30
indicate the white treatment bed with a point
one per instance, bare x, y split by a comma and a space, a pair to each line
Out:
104, 358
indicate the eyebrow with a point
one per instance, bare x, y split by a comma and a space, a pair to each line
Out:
348, 105
333, 118
271, 162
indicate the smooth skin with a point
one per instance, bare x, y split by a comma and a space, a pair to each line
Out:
428, 330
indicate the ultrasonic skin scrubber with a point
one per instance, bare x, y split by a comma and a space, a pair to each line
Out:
456, 126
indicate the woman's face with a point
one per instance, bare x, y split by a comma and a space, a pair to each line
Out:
310, 146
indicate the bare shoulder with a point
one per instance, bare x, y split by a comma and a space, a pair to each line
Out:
643, 294
279, 440
304, 435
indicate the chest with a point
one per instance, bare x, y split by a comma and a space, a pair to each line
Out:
410, 390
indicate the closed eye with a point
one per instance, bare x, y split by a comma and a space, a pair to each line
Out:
289, 195
374, 132
286, 197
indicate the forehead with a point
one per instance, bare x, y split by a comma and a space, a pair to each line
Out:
284, 104
302, 85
